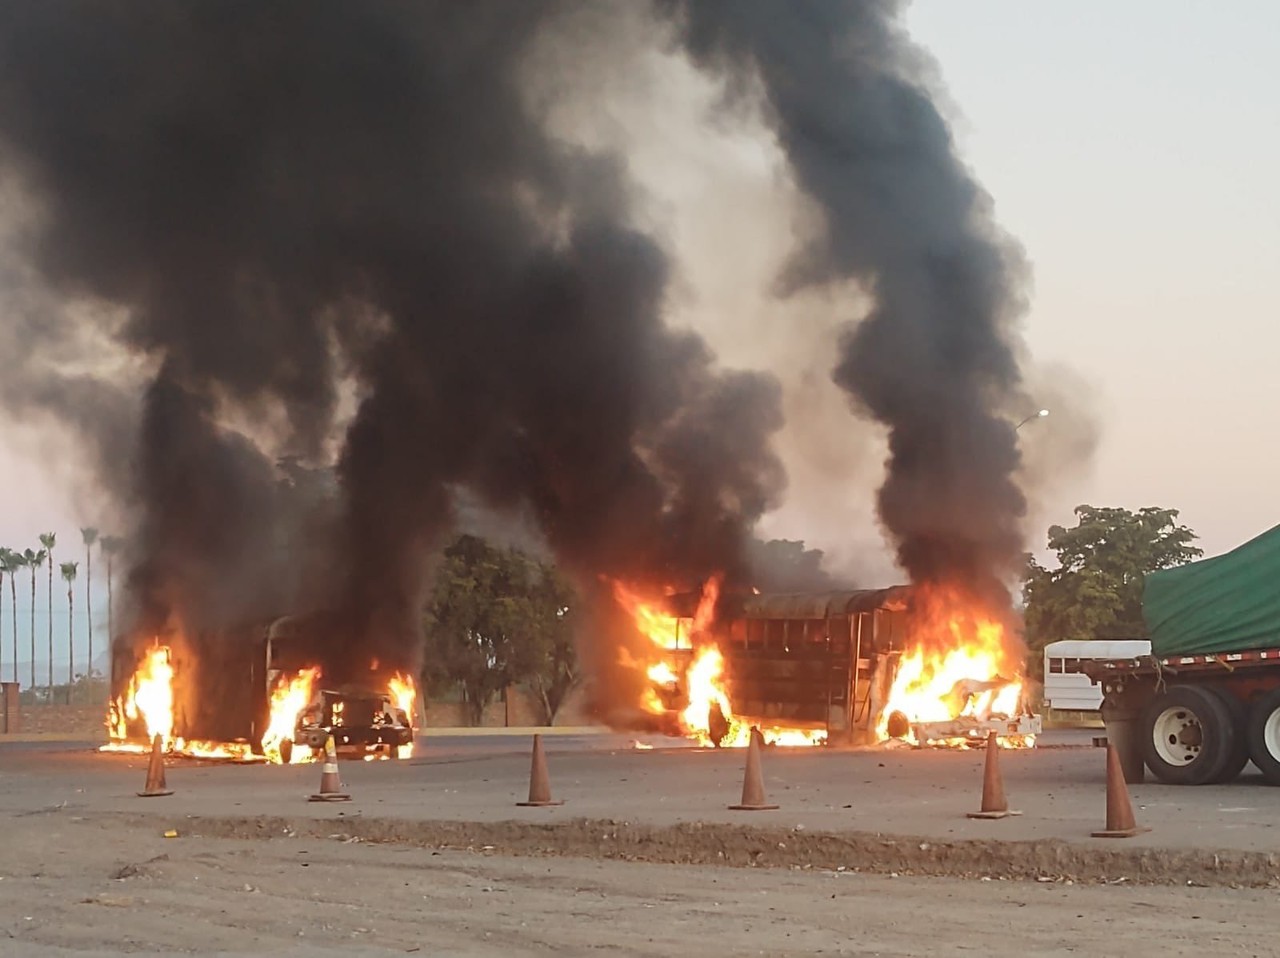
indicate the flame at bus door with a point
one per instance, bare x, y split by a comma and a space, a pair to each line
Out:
148, 696
963, 665
148, 701
709, 703
288, 699
706, 697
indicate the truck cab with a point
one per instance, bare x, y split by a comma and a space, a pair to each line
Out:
361, 721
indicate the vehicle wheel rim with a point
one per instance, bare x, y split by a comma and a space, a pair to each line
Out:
1271, 734
1178, 736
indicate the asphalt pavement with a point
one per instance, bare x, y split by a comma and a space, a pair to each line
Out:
1059, 787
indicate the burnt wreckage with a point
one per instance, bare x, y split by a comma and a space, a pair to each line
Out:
824, 661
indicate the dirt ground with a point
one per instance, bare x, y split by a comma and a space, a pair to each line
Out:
86, 886
870, 854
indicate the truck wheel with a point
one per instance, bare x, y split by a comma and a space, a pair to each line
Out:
1238, 713
1188, 736
1264, 735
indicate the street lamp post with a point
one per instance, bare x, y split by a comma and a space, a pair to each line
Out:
1035, 415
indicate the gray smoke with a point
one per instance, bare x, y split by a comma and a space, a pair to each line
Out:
936, 358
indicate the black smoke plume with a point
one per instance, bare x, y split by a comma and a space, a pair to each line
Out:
264, 201
269, 207
936, 358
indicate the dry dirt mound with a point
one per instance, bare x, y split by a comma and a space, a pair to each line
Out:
743, 845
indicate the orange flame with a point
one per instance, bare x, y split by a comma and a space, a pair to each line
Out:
706, 696
148, 696
148, 702
149, 699
662, 628
291, 695
964, 664
404, 692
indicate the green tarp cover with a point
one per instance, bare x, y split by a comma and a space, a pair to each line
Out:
1225, 604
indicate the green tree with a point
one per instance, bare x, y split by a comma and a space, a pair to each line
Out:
90, 536
68, 570
34, 559
546, 659
48, 540
785, 565
496, 618
1096, 590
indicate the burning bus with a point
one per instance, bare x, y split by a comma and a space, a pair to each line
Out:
253, 693
846, 667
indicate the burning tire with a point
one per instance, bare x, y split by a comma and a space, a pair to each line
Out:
1263, 733
899, 726
1189, 736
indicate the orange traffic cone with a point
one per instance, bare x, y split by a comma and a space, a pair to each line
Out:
753, 799
155, 786
539, 781
330, 783
994, 804
1120, 821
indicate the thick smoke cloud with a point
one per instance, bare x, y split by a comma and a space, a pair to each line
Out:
935, 360
267, 207
277, 196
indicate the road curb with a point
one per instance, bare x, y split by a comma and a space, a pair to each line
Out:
436, 731
441, 731
27, 738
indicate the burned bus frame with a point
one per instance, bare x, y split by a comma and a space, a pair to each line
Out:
827, 661
808, 660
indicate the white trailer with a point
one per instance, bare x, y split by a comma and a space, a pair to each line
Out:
1066, 687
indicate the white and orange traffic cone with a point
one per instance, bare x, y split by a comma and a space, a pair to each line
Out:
155, 785
330, 783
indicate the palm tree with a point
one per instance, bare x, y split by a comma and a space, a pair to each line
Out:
33, 559
4, 568
69, 575
90, 536
110, 545
13, 561
48, 539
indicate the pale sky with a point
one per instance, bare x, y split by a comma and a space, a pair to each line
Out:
1133, 148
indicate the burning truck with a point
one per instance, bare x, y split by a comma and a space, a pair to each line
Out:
847, 667
254, 694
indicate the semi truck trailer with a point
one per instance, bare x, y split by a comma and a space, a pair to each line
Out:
1206, 701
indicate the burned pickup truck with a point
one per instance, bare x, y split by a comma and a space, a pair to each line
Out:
361, 721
